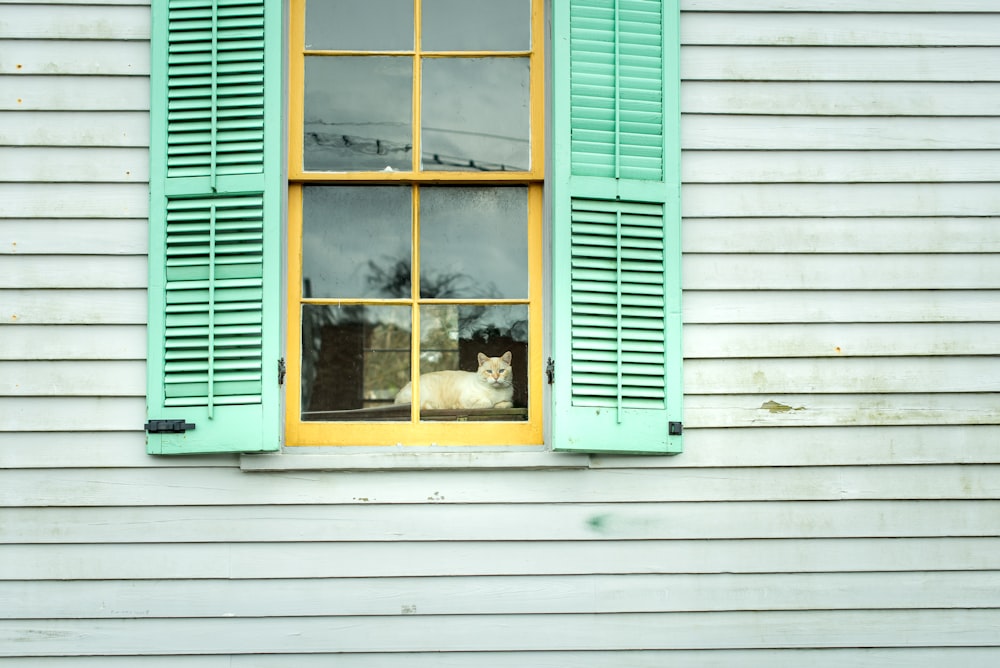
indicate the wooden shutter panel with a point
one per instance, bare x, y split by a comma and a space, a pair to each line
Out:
215, 196
616, 227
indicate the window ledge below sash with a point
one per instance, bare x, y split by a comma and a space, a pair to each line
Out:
410, 459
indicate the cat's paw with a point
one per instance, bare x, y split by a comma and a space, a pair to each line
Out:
504, 404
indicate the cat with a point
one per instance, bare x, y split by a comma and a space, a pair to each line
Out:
490, 386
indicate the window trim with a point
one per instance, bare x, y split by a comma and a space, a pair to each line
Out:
299, 433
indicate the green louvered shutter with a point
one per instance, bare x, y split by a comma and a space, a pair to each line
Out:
215, 205
616, 228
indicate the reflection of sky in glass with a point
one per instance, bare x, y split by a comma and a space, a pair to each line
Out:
348, 229
358, 113
479, 25
475, 114
355, 25
479, 235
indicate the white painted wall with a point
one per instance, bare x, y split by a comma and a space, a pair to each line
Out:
838, 500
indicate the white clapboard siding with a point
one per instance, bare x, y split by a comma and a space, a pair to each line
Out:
104, 378
840, 29
69, 57
821, 340
892, 657
744, 132
708, 448
183, 561
36, 93
73, 307
733, 630
953, 6
503, 522
74, 200
118, 449
825, 98
497, 595
68, 271
76, 129
29, 20
61, 236
845, 410
825, 306
74, 165
73, 342
226, 487
841, 166
62, 414
837, 63
829, 271
979, 234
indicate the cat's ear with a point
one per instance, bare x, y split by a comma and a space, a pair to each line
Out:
482, 359
506, 357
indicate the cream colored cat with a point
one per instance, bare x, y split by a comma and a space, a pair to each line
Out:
488, 387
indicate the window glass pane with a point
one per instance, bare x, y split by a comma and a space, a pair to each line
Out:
479, 25
359, 25
474, 242
475, 114
357, 113
451, 338
354, 358
356, 241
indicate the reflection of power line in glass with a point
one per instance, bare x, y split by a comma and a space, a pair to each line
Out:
374, 146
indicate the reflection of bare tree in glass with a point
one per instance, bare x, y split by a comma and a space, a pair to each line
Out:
393, 281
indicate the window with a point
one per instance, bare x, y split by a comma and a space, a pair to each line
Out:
415, 220
411, 222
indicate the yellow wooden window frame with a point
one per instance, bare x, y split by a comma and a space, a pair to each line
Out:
414, 432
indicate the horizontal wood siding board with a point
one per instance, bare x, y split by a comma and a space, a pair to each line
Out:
924, 167
840, 340
74, 57
69, 271
564, 594
876, 657
843, 235
841, 410
832, 306
825, 6
840, 29
734, 630
74, 21
73, 342
716, 448
108, 449
73, 378
68, 414
222, 486
829, 271
74, 200
60, 236
74, 165
801, 64
865, 133
75, 128
832, 99
133, 561
67, 93
584, 522
74, 307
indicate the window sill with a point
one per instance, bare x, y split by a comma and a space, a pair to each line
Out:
408, 459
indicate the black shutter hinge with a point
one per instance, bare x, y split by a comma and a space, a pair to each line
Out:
168, 426
550, 371
281, 371
675, 428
